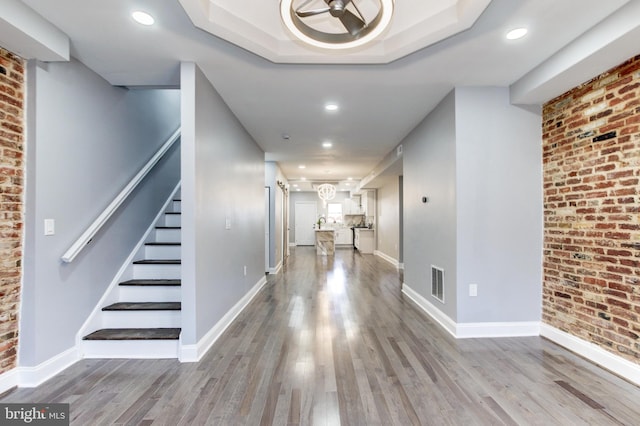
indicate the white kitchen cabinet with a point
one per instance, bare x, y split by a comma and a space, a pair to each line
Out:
343, 236
367, 202
365, 240
351, 206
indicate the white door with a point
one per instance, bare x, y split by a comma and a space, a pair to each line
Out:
305, 217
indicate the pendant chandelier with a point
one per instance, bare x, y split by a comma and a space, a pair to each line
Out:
326, 192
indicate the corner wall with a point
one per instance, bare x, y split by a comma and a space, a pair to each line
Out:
591, 145
223, 213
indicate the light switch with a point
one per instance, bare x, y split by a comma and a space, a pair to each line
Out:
49, 227
473, 290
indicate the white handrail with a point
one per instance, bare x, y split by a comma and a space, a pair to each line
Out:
93, 229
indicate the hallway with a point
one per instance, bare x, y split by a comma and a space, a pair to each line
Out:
332, 340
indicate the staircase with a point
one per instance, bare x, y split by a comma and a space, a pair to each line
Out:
145, 318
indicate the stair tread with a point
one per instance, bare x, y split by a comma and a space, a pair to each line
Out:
147, 282
157, 262
134, 334
162, 244
168, 227
143, 306
172, 212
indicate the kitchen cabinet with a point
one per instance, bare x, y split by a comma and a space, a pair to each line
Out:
343, 236
368, 202
365, 240
351, 206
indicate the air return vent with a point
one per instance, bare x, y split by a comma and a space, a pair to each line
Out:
437, 283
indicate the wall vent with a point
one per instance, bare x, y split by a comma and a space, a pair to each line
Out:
437, 283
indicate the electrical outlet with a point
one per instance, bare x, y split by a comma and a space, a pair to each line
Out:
473, 290
227, 224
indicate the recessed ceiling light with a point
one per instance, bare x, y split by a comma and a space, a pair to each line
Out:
298, 189
516, 33
347, 184
331, 107
303, 178
143, 18
302, 166
349, 178
327, 144
295, 185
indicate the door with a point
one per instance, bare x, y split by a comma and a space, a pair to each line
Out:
305, 217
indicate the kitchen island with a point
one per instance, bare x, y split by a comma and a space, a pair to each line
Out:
325, 242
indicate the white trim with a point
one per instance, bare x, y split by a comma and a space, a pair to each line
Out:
30, 377
276, 269
9, 380
401, 266
438, 316
95, 226
194, 353
594, 353
388, 258
94, 320
473, 330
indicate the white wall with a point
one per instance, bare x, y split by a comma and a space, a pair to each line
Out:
499, 199
85, 141
223, 176
429, 169
388, 220
309, 196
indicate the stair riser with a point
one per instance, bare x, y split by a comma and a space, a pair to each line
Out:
150, 349
172, 220
150, 294
176, 206
156, 271
167, 235
162, 252
141, 319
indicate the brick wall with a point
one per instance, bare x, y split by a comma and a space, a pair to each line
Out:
591, 157
11, 192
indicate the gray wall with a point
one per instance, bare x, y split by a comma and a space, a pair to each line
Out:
477, 158
86, 140
429, 169
499, 198
388, 220
223, 176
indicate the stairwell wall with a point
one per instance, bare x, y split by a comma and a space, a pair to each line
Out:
85, 141
223, 174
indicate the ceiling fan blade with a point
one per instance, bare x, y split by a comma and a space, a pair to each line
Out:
352, 23
305, 13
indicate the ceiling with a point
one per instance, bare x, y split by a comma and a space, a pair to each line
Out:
568, 42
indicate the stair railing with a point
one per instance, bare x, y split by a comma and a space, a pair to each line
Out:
97, 224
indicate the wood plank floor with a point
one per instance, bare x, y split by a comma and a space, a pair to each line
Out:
332, 340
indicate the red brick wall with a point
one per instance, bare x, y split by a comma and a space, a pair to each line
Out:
591, 157
11, 192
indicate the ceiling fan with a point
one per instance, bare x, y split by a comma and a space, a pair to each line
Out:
364, 21
338, 9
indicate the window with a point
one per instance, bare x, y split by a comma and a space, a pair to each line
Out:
334, 213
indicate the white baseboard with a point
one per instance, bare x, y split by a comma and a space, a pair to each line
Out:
594, 353
388, 258
447, 323
30, 377
473, 330
194, 353
9, 380
275, 270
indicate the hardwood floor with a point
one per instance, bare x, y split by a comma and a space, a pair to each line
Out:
332, 340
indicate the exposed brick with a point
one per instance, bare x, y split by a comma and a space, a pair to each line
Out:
11, 203
591, 163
